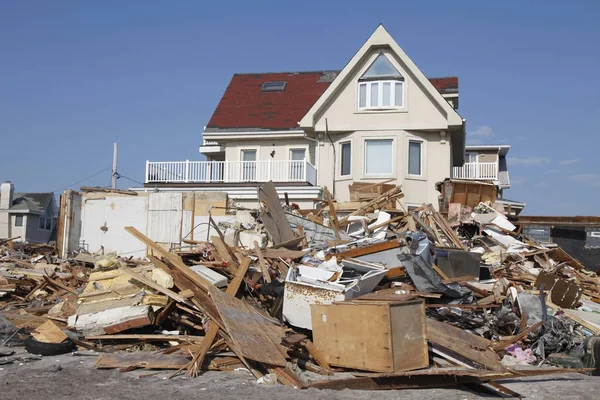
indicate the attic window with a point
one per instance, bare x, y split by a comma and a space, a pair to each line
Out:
276, 86
381, 86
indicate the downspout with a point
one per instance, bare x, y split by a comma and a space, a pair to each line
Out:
334, 164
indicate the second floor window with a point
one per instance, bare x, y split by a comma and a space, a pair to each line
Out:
381, 86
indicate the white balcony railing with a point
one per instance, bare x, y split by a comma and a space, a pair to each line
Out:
230, 171
476, 170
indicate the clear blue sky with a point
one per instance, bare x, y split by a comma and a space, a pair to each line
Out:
76, 76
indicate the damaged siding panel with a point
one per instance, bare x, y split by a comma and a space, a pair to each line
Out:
164, 217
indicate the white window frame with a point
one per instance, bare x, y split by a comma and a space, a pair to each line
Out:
380, 105
423, 175
256, 166
306, 157
475, 154
45, 219
384, 175
22, 220
298, 147
339, 166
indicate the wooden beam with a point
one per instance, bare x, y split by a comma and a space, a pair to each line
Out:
332, 214
173, 259
213, 329
264, 267
369, 249
150, 283
316, 354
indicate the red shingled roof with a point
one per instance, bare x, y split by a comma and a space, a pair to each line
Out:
244, 106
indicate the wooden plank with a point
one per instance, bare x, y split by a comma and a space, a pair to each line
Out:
141, 360
316, 354
150, 283
282, 253
458, 279
225, 253
213, 328
56, 283
249, 330
502, 344
369, 249
332, 214
273, 216
439, 272
467, 345
262, 263
148, 337
392, 195
173, 259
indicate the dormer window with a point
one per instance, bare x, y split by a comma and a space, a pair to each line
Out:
381, 86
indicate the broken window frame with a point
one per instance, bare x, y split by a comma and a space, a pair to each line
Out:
539, 234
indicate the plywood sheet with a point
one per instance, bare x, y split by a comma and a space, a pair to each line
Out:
463, 343
409, 339
254, 336
354, 336
372, 336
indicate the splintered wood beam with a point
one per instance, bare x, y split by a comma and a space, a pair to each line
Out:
213, 329
225, 253
150, 283
173, 259
369, 249
332, 214
264, 267
317, 355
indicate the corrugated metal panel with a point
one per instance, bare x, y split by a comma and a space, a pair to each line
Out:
164, 217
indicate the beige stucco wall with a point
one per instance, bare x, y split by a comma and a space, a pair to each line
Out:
264, 147
487, 157
421, 112
435, 162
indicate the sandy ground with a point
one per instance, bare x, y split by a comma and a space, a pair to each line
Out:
73, 377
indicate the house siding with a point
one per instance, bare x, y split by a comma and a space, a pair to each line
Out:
34, 233
18, 230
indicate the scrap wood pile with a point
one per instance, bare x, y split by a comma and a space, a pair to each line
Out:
362, 295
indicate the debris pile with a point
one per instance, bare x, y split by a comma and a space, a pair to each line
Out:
361, 295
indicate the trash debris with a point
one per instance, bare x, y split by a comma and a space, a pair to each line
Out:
400, 298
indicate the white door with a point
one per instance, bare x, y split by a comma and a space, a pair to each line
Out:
248, 165
297, 157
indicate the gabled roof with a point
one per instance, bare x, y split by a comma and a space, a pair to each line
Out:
378, 40
32, 202
244, 106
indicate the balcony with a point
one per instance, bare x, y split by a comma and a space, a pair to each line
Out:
476, 170
230, 171
211, 147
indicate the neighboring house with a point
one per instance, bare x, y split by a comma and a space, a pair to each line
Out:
30, 216
377, 119
488, 163
578, 236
